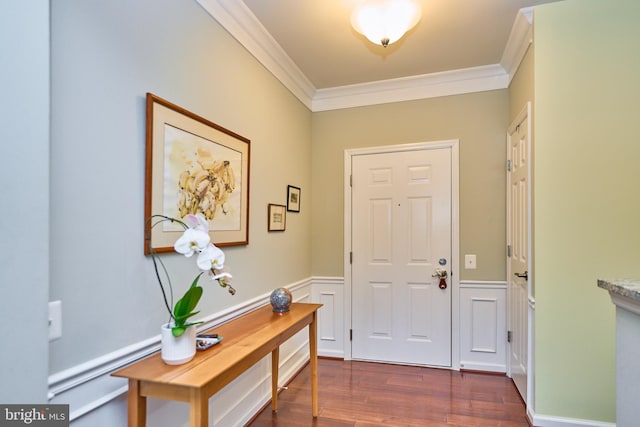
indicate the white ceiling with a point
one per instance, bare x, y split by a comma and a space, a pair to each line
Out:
312, 48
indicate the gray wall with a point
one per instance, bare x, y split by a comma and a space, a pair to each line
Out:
24, 223
105, 56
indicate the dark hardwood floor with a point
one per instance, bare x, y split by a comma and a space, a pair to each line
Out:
372, 394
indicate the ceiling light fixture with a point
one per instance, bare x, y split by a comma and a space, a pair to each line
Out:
385, 21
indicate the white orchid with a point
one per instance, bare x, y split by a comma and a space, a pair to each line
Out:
194, 239
191, 241
197, 222
211, 258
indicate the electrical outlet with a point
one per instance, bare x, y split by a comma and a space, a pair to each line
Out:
470, 262
55, 320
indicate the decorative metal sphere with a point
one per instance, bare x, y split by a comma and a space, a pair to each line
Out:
280, 300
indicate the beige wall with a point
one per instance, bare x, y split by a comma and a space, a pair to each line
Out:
521, 87
587, 200
478, 120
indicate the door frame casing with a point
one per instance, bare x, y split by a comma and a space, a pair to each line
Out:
453, 145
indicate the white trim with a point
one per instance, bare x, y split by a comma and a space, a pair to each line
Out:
328, 280
454, 145
519, 41
629, 304
484, 284
484, 367
241, 24
552, 421
238, 20
88, 386
455, 82
100, 401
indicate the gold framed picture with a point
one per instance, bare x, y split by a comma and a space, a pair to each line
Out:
194, 166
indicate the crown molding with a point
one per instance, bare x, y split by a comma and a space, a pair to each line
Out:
520, 39
455, 82
238, 20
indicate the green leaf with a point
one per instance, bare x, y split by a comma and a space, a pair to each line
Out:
180, 320
184, 308
176, 331
195, 281
188, 302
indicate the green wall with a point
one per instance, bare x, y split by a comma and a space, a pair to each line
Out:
587, 86
478, 120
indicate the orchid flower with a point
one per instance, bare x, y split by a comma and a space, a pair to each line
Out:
224, 280
211, 257
191, 241
197, 222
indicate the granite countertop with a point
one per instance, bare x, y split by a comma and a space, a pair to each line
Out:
624, 287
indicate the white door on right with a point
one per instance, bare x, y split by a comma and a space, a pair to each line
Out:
518, 241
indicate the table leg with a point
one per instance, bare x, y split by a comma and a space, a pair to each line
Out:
275, 365
313, 361
198, 409
137, 413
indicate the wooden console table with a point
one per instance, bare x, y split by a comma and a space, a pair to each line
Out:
247, 340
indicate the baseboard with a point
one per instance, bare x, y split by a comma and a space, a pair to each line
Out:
540, 420
482, 367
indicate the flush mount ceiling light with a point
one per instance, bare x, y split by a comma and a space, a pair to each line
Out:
385, 21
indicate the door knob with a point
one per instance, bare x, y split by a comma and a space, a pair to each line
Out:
524, 275
441, 274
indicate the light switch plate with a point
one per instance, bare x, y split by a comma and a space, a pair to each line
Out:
470, 262
55, 320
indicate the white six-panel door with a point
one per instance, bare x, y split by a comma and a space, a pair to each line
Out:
401, 233
518, 241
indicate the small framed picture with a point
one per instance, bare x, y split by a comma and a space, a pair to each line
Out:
277, 217
293, 199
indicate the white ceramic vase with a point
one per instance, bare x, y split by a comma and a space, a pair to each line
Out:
178, 350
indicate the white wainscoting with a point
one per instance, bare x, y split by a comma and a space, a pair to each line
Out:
483, 322
98, 399
483, 326
329, 291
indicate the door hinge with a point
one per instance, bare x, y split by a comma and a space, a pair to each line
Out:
350, 334
509, 336
509, 251
350, 257
508, 165
350, 180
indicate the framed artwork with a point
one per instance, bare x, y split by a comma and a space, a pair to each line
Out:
293, 199
194, 166
277, 217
